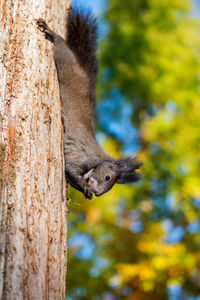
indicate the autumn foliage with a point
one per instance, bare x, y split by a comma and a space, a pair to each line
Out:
142, 241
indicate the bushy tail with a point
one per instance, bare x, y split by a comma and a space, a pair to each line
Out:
82, 39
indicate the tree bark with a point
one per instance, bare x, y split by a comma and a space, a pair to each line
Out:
32, 183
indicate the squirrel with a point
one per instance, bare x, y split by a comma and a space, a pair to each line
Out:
88, 168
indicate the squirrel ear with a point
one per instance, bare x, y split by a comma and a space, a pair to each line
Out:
126, 164
124, 178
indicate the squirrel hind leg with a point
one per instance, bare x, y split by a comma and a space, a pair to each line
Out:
43, 27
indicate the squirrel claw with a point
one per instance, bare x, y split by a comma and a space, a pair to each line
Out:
88, 194
42, 25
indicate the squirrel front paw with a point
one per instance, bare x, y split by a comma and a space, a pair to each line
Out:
42, 25
88, 193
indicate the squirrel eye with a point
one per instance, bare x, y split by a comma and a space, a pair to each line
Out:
107, 177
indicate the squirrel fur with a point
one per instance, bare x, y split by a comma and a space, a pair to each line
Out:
88, 168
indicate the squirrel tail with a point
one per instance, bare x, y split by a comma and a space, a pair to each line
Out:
82, 39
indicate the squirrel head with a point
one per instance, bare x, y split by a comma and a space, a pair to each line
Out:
102, 178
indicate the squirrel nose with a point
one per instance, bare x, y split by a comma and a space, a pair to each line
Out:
92, 182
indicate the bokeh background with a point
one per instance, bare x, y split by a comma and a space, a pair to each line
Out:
142, 241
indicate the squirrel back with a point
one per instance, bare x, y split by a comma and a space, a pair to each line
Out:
88, 168
82, 40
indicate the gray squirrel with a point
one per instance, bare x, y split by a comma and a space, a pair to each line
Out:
88, 168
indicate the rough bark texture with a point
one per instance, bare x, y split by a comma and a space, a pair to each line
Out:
32, 184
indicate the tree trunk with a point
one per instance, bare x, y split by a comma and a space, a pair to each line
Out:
32, 184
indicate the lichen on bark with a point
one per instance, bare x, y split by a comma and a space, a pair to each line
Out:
2, 158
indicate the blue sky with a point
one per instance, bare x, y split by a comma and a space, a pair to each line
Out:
196, 4
196, 9
97, 6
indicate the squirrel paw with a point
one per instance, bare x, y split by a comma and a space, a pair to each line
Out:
42, 25
88, 194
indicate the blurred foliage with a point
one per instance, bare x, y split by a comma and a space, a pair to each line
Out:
142, 241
